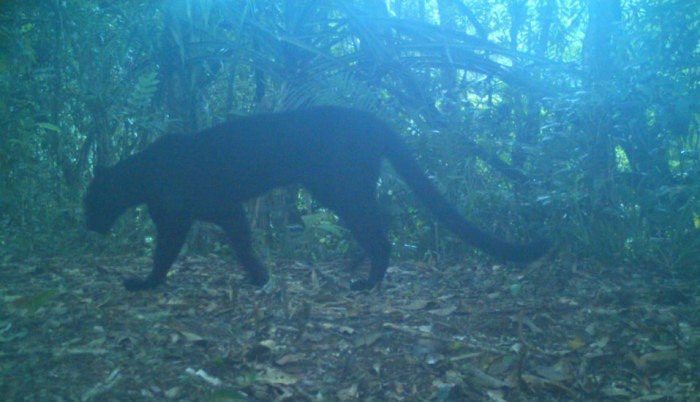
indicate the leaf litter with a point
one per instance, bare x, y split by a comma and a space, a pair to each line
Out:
69, 331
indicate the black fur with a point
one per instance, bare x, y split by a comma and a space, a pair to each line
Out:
334, 153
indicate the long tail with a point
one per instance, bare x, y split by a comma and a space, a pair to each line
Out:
400, 157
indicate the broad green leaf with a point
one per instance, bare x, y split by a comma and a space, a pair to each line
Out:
49, 126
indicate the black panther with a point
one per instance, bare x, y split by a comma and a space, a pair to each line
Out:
333, 152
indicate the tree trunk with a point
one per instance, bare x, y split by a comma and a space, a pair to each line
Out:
601, 68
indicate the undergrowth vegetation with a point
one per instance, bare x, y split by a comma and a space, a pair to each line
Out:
576, 123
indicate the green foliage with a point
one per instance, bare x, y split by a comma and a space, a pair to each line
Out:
144, 91
522, 112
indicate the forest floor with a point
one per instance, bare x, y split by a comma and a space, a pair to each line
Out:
473, 332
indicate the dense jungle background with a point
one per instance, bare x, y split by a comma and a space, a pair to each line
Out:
578, 119
572, 120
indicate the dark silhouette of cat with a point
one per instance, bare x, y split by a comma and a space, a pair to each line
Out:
335, 153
